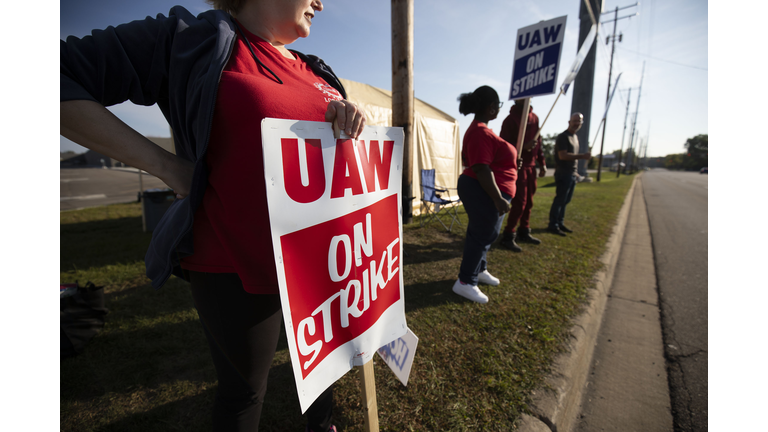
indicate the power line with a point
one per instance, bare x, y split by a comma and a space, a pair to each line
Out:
662, 60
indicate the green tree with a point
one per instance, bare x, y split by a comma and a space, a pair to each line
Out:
548, 148
697, 154
674, 161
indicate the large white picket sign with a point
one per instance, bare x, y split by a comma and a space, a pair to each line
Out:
334, 211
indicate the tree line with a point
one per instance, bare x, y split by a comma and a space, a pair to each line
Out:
693, 159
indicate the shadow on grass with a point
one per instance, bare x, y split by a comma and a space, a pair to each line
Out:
431, 243
433, 252
118, 241
431, 294
151, 338
191, 414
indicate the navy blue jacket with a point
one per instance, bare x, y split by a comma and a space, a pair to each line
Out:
175, 62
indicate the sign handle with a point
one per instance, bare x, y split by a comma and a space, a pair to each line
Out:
368, 393
521, 131
545, 118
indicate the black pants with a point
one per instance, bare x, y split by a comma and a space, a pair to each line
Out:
242, 331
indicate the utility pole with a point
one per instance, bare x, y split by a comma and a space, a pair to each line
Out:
583, 85
612, 39
645, 146
637, 110
646, 141
618, 161
630, 154
402, 93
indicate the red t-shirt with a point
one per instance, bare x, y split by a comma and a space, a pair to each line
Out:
482, 146
510, 128
231, 232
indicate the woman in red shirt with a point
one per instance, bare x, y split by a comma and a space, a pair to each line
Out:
486, 188
231, 266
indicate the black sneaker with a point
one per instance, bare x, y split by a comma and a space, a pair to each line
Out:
508, 241
555, 230
565, 229
524, 236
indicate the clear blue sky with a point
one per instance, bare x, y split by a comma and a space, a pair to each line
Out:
460, 46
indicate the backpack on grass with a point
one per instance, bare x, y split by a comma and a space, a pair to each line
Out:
82, 316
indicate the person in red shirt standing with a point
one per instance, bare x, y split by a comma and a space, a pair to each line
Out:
485, 187
522, 203
215, 77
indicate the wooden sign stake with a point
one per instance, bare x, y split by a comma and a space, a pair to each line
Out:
521, 131
368, 392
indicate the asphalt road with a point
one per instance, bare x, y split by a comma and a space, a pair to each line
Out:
678, 217
93, 187
627, 389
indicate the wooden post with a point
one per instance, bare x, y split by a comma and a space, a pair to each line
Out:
521, 131
368, 393
402, 93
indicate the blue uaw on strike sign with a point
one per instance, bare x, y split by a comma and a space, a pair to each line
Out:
537, 56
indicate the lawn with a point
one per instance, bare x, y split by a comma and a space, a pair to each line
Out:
150, 370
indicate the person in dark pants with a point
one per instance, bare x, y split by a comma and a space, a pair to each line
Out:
214, 76
522, 203
565, 173
485, 187
242, 331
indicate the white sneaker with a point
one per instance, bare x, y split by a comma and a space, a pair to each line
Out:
486, 278
470, 291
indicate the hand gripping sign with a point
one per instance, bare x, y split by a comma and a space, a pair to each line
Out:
334, 211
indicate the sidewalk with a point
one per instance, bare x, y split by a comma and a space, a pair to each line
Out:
613, 377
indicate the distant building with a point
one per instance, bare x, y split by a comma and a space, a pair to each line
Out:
95, 159
609, 160
87, 159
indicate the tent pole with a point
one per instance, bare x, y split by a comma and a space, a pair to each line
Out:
402, 93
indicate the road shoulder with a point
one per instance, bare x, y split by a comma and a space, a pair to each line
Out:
556, 404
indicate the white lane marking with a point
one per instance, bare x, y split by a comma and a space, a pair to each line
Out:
73, 179
83, 197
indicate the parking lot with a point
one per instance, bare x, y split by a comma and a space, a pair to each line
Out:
93, 187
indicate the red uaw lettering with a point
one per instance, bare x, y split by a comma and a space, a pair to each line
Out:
345, 172
336, 300
373, 165
308, 185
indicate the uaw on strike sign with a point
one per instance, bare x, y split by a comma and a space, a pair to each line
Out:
537, 55
334, 209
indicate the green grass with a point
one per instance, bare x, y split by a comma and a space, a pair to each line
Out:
475, 366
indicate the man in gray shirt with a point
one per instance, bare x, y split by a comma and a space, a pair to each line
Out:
565, 173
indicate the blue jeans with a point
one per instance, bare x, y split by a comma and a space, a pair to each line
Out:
482, 230
565, 184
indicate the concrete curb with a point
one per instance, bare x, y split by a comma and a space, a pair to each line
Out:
555, 405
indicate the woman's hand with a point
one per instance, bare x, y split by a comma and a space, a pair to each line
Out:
178, 176
502, 205
91, 125
348, 116
488, 183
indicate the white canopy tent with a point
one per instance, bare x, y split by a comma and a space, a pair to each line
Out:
437, 141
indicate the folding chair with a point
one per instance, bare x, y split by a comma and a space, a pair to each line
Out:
432, 204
